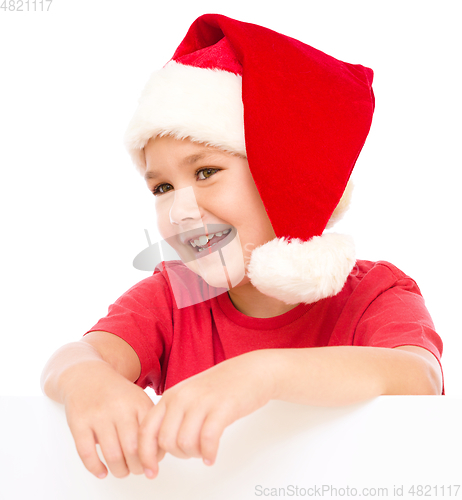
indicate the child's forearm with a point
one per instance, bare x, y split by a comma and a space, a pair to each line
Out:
71, 363
341, 375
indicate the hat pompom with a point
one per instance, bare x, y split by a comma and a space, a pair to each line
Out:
302, 271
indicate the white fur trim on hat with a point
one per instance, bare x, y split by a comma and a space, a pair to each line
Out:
204, 105
302, 271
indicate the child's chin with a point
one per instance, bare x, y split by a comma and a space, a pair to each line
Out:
216, 277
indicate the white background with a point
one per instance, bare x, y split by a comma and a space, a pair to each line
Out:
74, 209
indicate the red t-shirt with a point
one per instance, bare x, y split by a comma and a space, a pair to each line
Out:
379, 306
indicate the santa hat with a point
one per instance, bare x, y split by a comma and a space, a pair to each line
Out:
299, 115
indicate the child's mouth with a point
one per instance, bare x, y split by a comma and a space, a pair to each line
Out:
210, 242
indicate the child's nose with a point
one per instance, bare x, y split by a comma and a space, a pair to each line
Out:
184, 206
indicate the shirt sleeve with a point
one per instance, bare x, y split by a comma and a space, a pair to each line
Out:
398, 317
142, 317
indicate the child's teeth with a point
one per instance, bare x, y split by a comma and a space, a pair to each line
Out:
204, 239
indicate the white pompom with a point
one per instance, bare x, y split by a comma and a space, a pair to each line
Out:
302, 271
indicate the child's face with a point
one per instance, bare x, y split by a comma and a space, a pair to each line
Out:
201, 190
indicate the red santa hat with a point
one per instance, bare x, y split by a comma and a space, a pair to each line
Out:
301, 118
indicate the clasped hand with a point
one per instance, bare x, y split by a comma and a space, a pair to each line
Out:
190, 418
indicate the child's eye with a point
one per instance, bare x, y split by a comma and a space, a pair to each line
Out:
160, 189
203, 174
206, 173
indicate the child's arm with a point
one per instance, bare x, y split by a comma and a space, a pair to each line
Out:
348, 374
94, 379
191, 416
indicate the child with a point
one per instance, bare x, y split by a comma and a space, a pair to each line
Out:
247, 139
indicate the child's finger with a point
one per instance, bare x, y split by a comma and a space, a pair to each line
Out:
188, 438
167, 437
86, 448
112, 451
212, 429
147, 440
160, 454
128, 438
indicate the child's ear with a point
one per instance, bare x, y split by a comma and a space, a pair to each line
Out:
342, 206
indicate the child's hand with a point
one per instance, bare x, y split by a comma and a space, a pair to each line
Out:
191, 416
106, 408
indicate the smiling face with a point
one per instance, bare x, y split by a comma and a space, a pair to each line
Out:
203, 191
